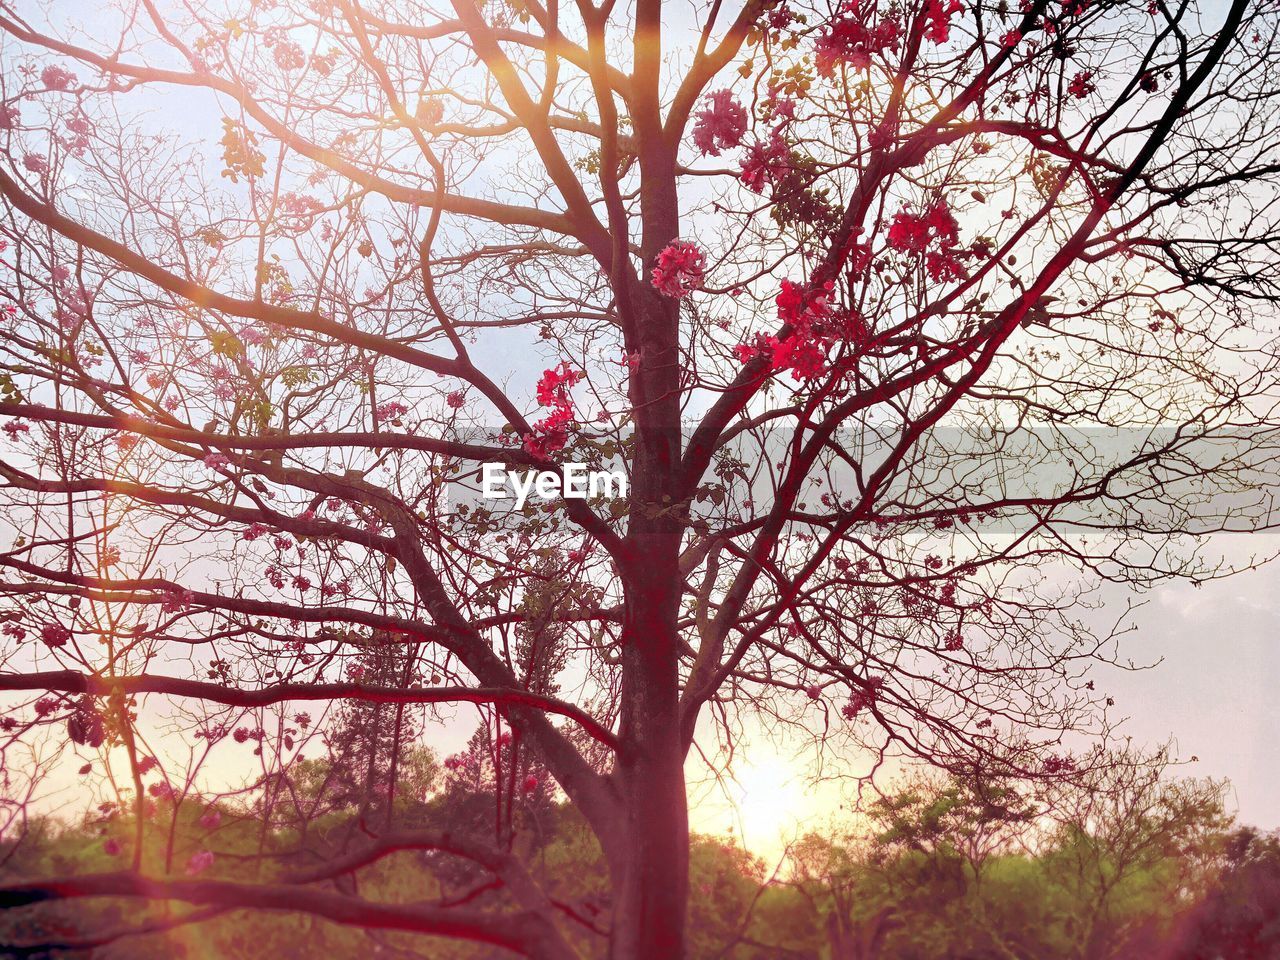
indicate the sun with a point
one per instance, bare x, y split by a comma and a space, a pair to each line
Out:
769, 802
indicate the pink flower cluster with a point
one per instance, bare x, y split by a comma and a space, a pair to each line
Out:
852, 40
1056, 764
814, 329
862, 698
391, 412
679, 269
939, 13
934, 234
55, 635
720, 125
1081, 85
766, 163
551, 433
56, 78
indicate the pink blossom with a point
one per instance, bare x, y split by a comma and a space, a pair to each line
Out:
9, 117
935, 234
1055, 764
216, 461
908, 233
1081, 85
814, 328
111, 847
56, 78
288, 56
765, 163
176, 601
943, 225
199, 862
943, 267
55, 635
456, 398
254, 531
551, 433
678, 271
940, 13
36, 163
211, 818
391, 411
862, 698
720, 125
851, 40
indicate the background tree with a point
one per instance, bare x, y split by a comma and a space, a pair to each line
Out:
839, 287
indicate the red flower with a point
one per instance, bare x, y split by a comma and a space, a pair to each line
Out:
678, 271
55, 78
943, 267
765, 163
55, 635
1011, 39
940, 13
908, 233
862, 698
551, 433
943, 225
288, 56
851, 40
1081, 85
720, 125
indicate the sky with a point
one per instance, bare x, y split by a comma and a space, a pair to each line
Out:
1211, 658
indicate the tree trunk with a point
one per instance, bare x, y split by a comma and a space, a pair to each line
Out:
651, 864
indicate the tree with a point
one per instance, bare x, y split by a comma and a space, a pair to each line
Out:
841, 288
1237, 918
1127, 840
